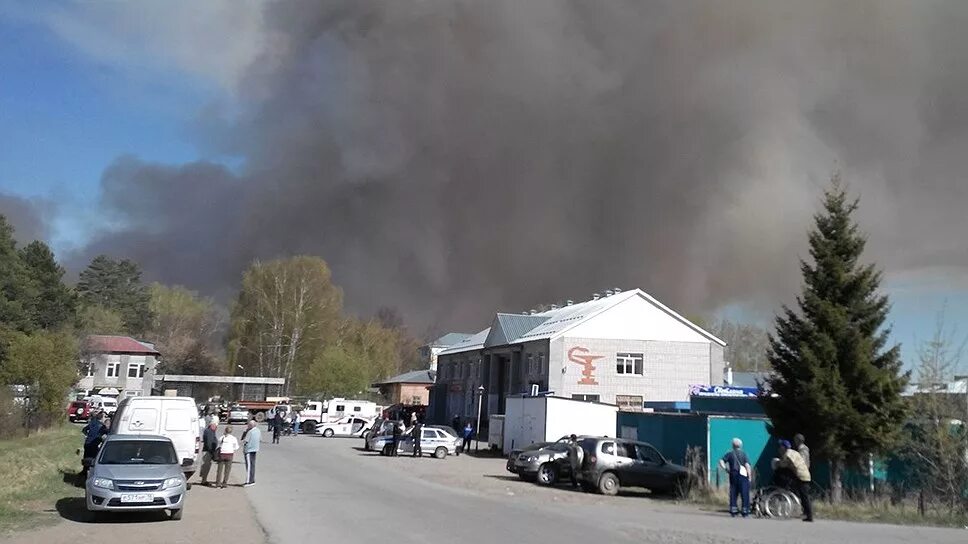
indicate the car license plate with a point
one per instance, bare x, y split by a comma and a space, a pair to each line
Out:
136, 498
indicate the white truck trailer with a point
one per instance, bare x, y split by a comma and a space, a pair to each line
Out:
327, 411
530, 419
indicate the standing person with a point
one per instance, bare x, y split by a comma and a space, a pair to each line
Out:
790, 459
416, 431
276, 427
737, 464
575, 457
250, 447
209, 451
413, 418
93, 432
397, 431
801, 445
468, 434
227, 447
294, 422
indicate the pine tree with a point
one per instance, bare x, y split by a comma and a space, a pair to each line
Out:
15, 287
53, 303
834, 379
117, 286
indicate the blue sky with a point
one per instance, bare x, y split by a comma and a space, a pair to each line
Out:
66, 114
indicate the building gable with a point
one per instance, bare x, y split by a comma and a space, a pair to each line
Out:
639, 318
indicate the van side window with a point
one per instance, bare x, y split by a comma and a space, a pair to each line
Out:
357, 408
340, 408
177, 420
143, 419
608, 448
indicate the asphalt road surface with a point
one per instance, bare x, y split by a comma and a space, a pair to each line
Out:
311, 488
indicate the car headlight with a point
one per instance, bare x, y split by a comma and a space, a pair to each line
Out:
103, 483
172, 482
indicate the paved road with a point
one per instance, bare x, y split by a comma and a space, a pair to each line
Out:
310, 488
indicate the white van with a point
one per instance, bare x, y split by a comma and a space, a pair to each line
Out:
173, 417
107, 405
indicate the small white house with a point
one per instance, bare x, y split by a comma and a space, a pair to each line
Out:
117, 367
623, 348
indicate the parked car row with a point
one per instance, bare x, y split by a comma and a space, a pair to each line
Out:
607, 465
438, 441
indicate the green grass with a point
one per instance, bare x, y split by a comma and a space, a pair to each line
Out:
33, 472
865, 511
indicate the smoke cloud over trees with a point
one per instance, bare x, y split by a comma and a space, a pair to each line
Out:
451, 158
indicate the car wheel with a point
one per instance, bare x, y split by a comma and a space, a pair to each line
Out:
608, 484
440, 452
176, 514
547, 474
328, 433
309, 427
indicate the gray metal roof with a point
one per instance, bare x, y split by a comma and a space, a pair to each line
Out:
468, 344
508, 327
415, 376
450, 339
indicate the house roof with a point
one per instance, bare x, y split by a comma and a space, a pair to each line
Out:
508, 327
118, 344
514, 328
475, 341
416, 376
450, 339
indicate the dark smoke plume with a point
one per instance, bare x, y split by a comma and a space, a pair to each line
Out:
25, 215
451, 158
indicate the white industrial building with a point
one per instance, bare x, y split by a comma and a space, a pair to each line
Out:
623, 348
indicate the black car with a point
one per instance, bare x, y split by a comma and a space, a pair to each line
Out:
612, 463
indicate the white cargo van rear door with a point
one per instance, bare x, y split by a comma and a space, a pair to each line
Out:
181, 427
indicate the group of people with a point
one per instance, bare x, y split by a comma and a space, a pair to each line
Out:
791, 470
222, 452
278, 424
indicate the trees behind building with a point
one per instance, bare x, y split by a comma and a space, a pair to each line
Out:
288, 322
835, 378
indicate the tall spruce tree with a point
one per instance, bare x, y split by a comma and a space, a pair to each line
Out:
53, 303
117, 286
15, 286
835, 379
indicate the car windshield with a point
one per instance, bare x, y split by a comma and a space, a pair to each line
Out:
138, 452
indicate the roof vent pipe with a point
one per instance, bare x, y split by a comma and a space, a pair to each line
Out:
608, 292
596, 296
569, 302
616, 290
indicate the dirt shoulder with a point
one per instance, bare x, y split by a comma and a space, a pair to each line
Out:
210, 515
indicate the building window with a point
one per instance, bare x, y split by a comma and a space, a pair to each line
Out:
136, 370
541, 364
531, 371
629, 403
111, 370
629, 363
586, 398
90, 370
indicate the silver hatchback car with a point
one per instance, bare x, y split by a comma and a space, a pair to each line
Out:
136, 473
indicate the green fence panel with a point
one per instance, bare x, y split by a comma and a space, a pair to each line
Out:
757, 443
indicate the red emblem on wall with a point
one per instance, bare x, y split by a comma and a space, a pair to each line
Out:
588, 369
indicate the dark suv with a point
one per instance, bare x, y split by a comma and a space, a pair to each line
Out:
612, 463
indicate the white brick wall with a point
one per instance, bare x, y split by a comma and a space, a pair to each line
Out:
669, 368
